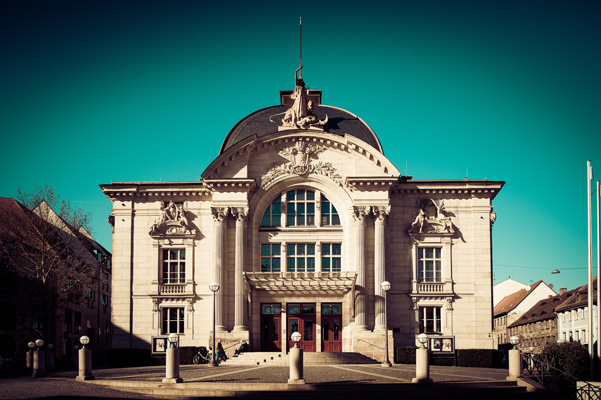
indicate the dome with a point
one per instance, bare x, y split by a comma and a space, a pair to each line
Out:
266, 121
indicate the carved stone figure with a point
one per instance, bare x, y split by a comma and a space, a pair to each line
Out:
172, 221
431, 218
302, 113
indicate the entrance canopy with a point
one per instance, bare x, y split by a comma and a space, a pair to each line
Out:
306, 282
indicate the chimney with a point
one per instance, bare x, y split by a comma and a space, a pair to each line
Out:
563, 290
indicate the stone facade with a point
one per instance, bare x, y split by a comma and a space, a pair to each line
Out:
299, 226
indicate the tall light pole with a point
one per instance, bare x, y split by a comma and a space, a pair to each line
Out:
214, 287
385, 287
589, 178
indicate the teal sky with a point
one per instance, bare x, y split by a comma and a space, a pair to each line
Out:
99, 91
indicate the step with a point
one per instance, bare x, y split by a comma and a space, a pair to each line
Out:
309, 358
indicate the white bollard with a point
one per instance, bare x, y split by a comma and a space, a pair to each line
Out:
85, 365
296, 366
422, 366
172, 366
515, 364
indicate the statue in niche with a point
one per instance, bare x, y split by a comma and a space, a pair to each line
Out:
432, 218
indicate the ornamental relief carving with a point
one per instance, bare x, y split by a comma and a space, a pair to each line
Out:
300, 162
432, 218
173, 221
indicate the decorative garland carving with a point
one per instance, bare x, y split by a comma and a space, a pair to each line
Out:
299, 157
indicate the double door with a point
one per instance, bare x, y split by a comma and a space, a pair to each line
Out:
301, 319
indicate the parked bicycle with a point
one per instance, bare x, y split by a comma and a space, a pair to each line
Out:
202, 356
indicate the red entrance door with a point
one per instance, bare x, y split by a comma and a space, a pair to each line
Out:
331, 326
301, 319
330, 332
270, 327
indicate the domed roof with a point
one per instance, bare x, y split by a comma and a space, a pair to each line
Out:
267, 121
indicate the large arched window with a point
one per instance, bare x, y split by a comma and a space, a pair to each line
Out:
286, 248
300, 210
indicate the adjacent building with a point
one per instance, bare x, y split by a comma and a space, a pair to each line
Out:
299, 219
514, 305
537, 327
65, 304
573, 316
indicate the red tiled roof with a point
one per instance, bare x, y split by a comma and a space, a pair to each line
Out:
511, 301
544, 309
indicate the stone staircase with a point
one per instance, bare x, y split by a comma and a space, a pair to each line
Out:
309, 358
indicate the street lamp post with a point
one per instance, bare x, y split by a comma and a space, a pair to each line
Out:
214, 287
39, 360
385, 287
515, 359
422, 361
172, 360
85, 360
296, 361
29, 360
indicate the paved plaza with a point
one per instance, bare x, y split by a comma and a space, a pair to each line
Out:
239, 381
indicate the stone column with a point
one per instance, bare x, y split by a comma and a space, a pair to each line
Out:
359, 214
380, 215
220, 215
241, 215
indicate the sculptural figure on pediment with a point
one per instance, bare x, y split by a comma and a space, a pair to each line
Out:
431, 218
172, 220
301, 115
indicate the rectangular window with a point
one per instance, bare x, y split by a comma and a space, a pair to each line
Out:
174, 266
68, 320
331, 257
300, 257
429, 264
77, 322
270, 257
300, 207
173, 320
430, 320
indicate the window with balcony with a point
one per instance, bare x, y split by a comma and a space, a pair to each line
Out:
430, 320
173, 320
429, 262
174, 266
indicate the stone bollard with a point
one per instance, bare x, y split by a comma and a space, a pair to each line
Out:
172, 366
39, 363
50, 357
515, 364
85, 365
422, 366
29, 359
296, 366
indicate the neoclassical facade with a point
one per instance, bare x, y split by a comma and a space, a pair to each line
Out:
300, 218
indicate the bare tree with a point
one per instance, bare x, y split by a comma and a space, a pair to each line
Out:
44, 247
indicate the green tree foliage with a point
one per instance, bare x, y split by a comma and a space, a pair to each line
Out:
570, 357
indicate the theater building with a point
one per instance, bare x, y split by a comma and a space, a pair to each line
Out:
299, 219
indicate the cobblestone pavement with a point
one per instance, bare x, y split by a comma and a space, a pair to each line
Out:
63, 384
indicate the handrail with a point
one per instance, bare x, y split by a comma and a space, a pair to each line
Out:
539, 366
371, 344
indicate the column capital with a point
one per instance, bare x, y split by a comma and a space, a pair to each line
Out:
220, 213
240, 213
360, 213
381, 213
